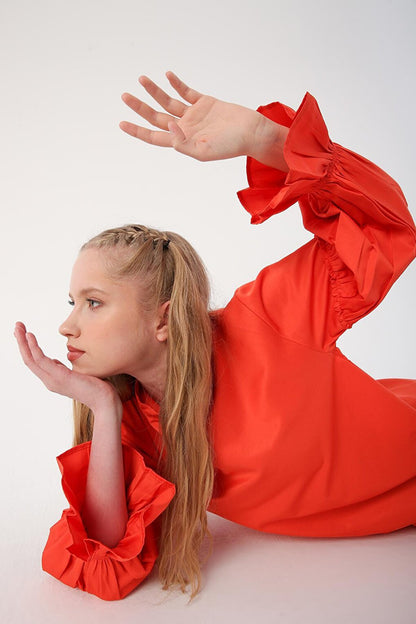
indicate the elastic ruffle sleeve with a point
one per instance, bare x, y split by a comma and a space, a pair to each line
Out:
75, 559
364, 234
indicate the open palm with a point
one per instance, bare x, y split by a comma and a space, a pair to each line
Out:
204, 128
57, 377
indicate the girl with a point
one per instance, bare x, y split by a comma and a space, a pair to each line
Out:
250, 411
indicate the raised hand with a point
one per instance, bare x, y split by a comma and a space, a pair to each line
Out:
203, 127
92, 391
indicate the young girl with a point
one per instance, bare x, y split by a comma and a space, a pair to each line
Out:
250, 411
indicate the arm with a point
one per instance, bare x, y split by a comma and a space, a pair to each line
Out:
104, 508
78, 560
208, 129
106, 541
364, 234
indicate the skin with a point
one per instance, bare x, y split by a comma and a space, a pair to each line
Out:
113, 329
116, 335
208, 129
109, 323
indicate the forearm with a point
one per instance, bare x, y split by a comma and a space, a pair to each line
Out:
105, 511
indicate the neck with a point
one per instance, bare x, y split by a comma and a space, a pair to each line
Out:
153, 380
155, 390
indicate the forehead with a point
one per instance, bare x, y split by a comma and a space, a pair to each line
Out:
90, 270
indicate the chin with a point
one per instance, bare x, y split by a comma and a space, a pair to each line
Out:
94, 371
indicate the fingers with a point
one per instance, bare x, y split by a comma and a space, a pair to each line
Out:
30, 351
170, 134
20, 335
25, 343
33, 356
37, 354
173, 106
188, 94
160, 120
177, 133
47, 365
154, 137
59, 362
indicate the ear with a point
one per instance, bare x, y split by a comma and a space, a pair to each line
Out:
162, 322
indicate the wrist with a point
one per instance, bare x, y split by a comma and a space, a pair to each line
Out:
267, 143
108, 408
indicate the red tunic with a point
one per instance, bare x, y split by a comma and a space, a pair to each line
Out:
305, 443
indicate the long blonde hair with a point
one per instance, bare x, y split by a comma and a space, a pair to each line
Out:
171, 270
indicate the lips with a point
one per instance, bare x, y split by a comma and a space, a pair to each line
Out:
74, 354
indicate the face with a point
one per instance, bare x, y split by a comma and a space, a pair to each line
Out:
108, 331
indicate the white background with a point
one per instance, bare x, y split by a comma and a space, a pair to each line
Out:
67, 172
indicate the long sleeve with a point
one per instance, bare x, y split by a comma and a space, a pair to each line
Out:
78, 561
364, 236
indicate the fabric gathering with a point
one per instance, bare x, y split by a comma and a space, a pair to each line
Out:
304, 442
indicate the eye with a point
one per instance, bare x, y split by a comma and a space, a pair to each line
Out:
70, 302
93, 303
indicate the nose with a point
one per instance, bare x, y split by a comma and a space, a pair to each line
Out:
70, 327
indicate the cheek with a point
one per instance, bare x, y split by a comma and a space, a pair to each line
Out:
124, 337
112, 328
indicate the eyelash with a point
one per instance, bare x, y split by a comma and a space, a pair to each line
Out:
90, 302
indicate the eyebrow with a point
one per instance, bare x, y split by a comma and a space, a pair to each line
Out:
88, 291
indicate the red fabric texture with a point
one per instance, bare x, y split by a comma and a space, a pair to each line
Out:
305, 443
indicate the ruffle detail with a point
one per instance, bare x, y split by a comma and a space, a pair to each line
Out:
343, 287
309, 154
74, 558
357, 213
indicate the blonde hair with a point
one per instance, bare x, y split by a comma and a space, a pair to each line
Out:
171, 270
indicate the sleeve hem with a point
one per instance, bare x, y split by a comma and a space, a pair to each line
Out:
148, 495
308, 152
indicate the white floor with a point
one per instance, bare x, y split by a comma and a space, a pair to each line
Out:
251, 577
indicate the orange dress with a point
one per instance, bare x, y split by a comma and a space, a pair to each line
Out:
305, 443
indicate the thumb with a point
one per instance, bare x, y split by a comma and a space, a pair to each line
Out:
59, 362
176, 133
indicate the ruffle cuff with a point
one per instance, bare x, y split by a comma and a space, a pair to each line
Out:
147, 495
309, 154
79, 561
